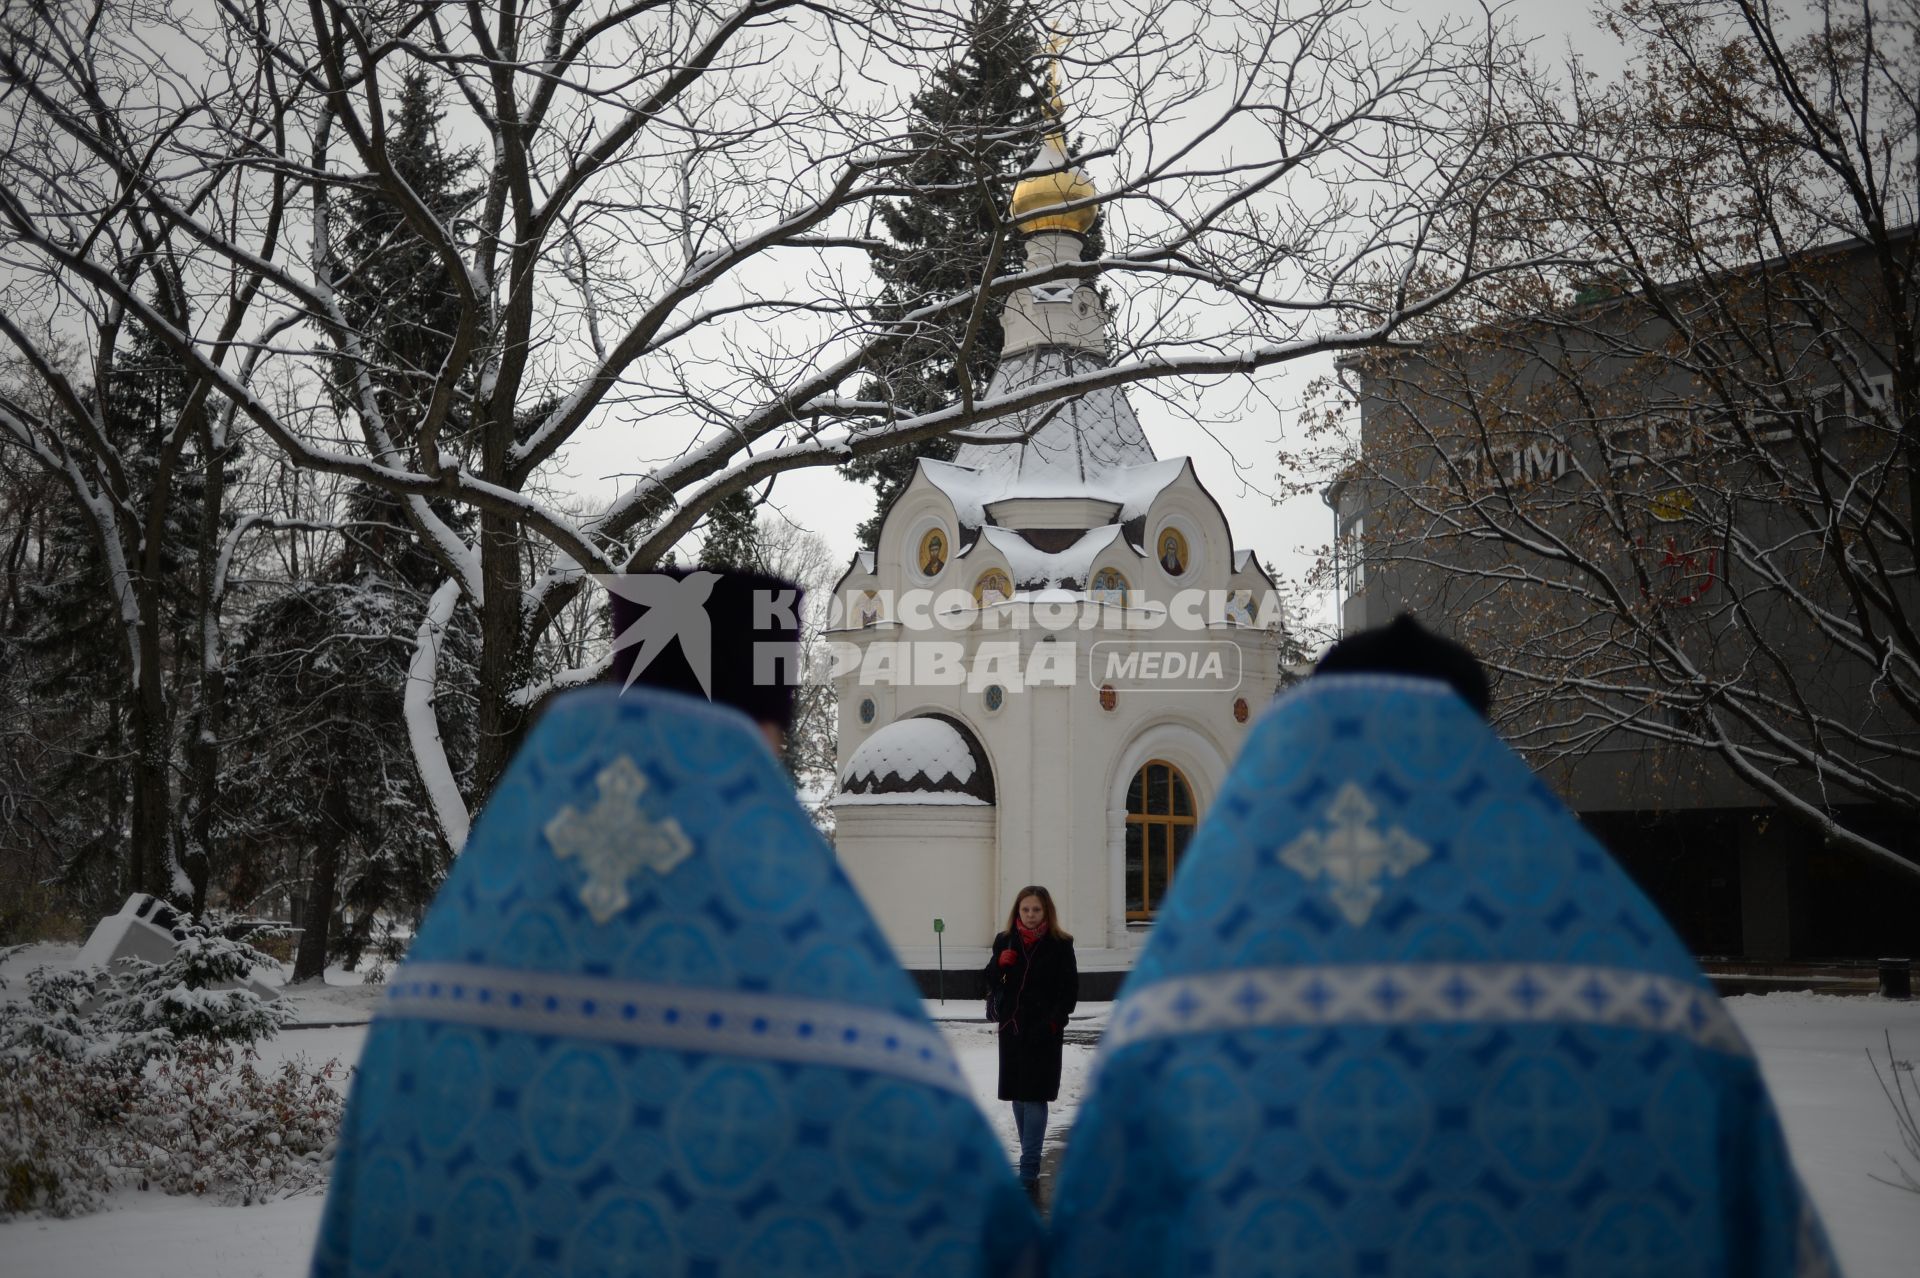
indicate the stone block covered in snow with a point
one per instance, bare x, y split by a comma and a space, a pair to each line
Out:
145, 929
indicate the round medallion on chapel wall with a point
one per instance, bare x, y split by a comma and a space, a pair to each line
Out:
1172, 552
867, 710
932, 553
1108, 697
994, 697
1240, 710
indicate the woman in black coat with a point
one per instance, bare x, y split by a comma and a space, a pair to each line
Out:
1034, 984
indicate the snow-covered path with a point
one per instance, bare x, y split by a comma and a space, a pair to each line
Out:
1812, 1049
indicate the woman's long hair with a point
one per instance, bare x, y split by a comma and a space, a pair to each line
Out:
1046, 903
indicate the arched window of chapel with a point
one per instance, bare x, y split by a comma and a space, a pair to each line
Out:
1161, 816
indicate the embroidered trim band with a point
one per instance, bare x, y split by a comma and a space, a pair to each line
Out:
678, 1017
1424, 994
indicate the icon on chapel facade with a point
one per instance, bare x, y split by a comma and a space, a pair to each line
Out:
993, 587
1173, 552
933, 553
869, 609
1108, 587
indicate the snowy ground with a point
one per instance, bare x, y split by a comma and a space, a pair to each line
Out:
1812, 1049
973, 1042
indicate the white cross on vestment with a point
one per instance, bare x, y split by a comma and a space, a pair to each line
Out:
1353, 856
615, 840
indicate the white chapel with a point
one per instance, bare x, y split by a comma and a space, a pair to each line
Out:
1078, 578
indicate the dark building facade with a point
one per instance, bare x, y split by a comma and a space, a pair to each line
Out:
1679, 529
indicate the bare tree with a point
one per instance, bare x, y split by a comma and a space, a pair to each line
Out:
668, 254
1668, 488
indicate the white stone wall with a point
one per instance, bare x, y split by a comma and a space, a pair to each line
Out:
1061, 767
916, 864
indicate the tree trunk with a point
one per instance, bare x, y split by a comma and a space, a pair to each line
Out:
119, 818
500, 641
310, 963
203, 748
150, 856
155, 835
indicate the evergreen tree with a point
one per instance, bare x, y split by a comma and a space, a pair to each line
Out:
67, 635
70, 630
393, 286
325, 773
976, 125
321, 778
732, 540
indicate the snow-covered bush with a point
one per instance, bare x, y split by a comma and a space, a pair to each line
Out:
210, 1122
205, 1120
179, 996
81, 1016
143, 1074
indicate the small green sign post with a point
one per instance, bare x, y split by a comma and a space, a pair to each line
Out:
940, 948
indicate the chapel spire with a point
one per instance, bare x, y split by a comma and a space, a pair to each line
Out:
1054, 331
1053, 179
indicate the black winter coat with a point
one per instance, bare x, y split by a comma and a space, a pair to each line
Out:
1037, 993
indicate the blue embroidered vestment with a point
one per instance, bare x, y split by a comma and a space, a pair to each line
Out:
649, 1028
1401, 1015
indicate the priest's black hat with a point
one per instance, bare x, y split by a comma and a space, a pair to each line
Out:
720, 633
1404, 646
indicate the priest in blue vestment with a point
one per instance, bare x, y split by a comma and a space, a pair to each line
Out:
1401, 1015
647, 1026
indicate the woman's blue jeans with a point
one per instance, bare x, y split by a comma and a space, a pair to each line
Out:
1030, 1120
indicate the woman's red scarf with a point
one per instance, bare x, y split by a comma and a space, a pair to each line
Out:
1029, 937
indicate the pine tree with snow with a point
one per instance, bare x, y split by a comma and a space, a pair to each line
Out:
321, 777
976, 125
391, 284
733, 534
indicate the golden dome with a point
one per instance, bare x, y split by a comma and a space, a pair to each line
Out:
1056, 180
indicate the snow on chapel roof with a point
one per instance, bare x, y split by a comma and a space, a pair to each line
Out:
1132, 488
1086, 437
1032, 566
924, 760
